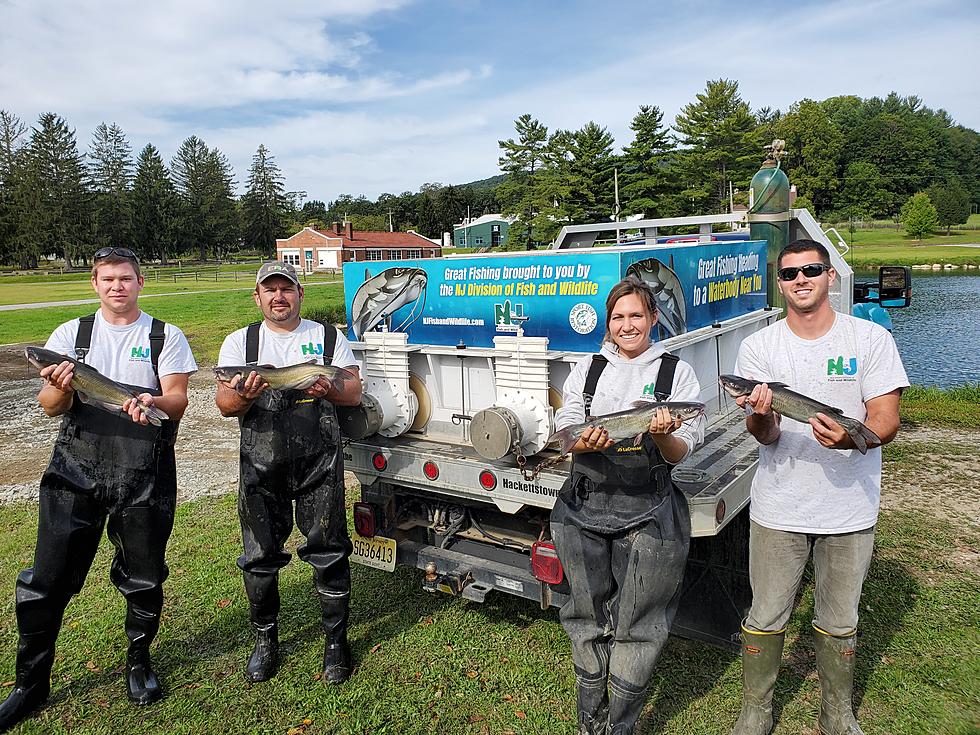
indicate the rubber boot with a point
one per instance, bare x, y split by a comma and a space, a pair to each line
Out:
142, 684
336, 651
592, 702
761, 653
35, 655
835, 667
625, 706
264, 661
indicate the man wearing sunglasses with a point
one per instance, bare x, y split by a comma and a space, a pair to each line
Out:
813, 493
108, 470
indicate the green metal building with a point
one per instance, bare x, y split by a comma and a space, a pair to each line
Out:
490, 230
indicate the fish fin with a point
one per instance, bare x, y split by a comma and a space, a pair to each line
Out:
774, 384
863, 437
643, 402
307, 382
566, 439
638, 439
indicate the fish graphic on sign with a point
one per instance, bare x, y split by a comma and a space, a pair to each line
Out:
667, 292
380, 296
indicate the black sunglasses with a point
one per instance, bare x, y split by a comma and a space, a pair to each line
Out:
810, 270
120, 252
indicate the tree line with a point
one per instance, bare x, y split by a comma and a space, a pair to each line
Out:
848, 157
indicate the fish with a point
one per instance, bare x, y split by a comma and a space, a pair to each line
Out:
631, 423
667, 292
293, 377
802, 408
93, 387
382, 295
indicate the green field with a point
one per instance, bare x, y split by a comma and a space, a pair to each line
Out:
204, 318
441, 665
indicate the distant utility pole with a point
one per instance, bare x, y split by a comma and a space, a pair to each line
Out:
391, 227
616, 208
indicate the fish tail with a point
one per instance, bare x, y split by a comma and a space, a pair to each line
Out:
566, 439
154, 415
863, 437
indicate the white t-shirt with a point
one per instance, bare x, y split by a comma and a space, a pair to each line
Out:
122, 353
801, 486
282, 349
623, 381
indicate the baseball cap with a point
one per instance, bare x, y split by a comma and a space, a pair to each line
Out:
276, 268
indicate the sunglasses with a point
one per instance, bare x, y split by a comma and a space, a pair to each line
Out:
120, 252
810, 270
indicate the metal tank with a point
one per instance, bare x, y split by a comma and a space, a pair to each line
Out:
769, 215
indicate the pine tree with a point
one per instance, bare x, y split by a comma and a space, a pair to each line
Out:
204, 182
521, 195
648, 177
110, 175
591, 194
11, 142
52, 205
718, 134
266, 209
155, 207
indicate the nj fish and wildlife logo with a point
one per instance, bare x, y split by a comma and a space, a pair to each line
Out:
508, 317
312, 349
139, 354
842, 369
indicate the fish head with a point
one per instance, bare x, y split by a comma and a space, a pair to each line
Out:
687, 410
42, 358
227, 374
736, 386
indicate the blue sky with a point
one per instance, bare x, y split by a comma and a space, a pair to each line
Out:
369, 96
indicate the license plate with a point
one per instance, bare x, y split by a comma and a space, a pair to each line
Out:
377, 552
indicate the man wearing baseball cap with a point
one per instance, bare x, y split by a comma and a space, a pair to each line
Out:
290, 453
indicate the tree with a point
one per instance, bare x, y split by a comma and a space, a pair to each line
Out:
813, 149
51, 202
717, 132
952, 203
919, 216
12, 131
265, 207
864, 189
155, 207
426, 220
450, 208
648, 181
110, 176
591, 163
204, 182
521, 195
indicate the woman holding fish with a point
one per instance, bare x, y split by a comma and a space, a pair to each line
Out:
620, 526
282, 378
119, 380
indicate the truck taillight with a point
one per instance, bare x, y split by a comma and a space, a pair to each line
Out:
379, 461
365, 522
488, 480
545, 564
430, 470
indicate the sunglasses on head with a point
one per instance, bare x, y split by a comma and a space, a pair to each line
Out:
810, 270
119, 252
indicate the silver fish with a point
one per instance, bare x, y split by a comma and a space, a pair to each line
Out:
382, 295
93, 387
801, 408
631, 423
293, 377
667, 292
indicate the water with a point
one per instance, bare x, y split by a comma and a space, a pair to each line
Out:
938, 335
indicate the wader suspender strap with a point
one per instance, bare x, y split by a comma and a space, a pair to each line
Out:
661, 389
83, 337
665, 376
591, 381
329, 341
252, 343
157, 336
83, 341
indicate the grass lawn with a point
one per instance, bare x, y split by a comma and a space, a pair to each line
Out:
440, 665
205, 318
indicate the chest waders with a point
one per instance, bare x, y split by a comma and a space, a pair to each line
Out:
622, 530
291, 453
105, 472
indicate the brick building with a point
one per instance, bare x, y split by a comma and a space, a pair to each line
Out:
311, 249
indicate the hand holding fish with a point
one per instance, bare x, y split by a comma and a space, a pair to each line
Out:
663, 423
250, 387
759, 400
593, 439
59, 376
136, 408
832, 435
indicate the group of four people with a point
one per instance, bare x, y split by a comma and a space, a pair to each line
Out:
620, 525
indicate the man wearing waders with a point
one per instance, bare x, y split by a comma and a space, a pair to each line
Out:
813, 491
620, 526
290, 453
113, 467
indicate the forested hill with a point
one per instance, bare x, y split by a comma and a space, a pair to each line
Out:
847, 156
